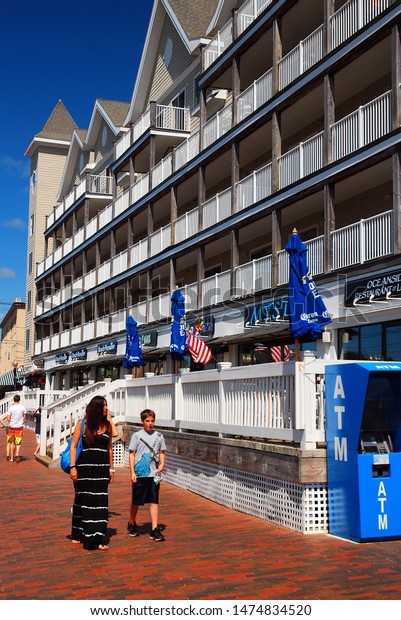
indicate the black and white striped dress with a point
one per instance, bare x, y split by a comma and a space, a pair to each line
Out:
91, 503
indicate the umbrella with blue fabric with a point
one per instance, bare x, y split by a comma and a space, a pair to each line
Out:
308, 314
178, 337
133, 349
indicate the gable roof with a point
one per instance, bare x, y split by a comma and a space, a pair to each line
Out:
112, 112
57, 129
194, 17
190, 19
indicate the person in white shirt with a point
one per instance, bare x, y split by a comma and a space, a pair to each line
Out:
16, 417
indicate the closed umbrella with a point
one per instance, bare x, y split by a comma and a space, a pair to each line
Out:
307, 312
133, 349
178, 337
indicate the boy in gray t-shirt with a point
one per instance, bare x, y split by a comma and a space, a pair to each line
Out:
147, 459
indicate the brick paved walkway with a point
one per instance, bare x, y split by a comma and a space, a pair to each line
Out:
211, 552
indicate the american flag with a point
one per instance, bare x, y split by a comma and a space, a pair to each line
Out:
280, 353
200, 352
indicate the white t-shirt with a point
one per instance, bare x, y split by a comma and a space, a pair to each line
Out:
16, 413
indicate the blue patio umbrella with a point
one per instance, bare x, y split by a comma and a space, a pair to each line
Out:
178, 337
133, 349
307, 312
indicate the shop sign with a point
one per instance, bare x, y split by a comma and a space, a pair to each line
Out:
378, 287
149, 339
61, 358
79, 354
275, 310
203, 326
107, 347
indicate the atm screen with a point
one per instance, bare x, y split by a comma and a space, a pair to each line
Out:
381, 418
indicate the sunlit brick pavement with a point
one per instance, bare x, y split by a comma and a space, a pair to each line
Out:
211, 552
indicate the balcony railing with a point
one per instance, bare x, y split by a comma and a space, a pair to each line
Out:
353, 16
304, 159
160, 240
254, 187
360, 242
216, 289
92, 184
258, 93
218, 44
186, 151
249, 11
166, 117
301, 58
365, 240
217, 208
187, 225
368, 123
253, 276
162, 170
217, 126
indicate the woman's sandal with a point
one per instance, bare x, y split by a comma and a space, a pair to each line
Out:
103, 547
76, 542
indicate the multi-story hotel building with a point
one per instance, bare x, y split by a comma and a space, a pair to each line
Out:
246, 120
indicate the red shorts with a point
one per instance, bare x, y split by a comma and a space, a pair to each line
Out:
15, 434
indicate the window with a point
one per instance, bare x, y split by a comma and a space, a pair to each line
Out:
32, 224
29, 301
27, 340
33, 181
196, 91
30, 263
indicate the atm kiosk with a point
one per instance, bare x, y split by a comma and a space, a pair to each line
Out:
363, 434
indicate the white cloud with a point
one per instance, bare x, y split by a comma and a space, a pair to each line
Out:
17, 222
17, 167
6, 273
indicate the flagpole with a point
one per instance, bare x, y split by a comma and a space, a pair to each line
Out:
296, 349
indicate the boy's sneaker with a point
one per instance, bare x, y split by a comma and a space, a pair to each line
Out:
156, 535
132, 529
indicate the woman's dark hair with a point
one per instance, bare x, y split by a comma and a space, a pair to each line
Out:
95, 418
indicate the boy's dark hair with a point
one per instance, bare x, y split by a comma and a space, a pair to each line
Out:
17, 398
146, 413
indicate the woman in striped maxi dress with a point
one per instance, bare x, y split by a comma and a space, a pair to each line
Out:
91, 475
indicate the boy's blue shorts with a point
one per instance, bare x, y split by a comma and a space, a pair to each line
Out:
145, 491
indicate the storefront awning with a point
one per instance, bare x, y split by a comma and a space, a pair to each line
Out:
7, 378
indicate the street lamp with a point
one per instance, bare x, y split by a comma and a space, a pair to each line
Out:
15, 366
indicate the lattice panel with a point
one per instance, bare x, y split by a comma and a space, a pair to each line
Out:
298, 507
119, 453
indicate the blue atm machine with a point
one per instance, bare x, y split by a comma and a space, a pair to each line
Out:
363, 434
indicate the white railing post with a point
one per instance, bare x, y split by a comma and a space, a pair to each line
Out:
305, 402
362, 255
57, 434
43, 433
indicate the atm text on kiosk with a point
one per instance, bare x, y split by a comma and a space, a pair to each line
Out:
363, 434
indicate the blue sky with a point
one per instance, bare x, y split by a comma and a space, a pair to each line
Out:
76, 51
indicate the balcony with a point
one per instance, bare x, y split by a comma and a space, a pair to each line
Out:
368, 123
362, 241
167, 117
351, 17
92, 184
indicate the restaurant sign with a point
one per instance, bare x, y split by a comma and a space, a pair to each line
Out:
107, 347
61, 358
379, 287
149, 339
272, 311
79, 354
